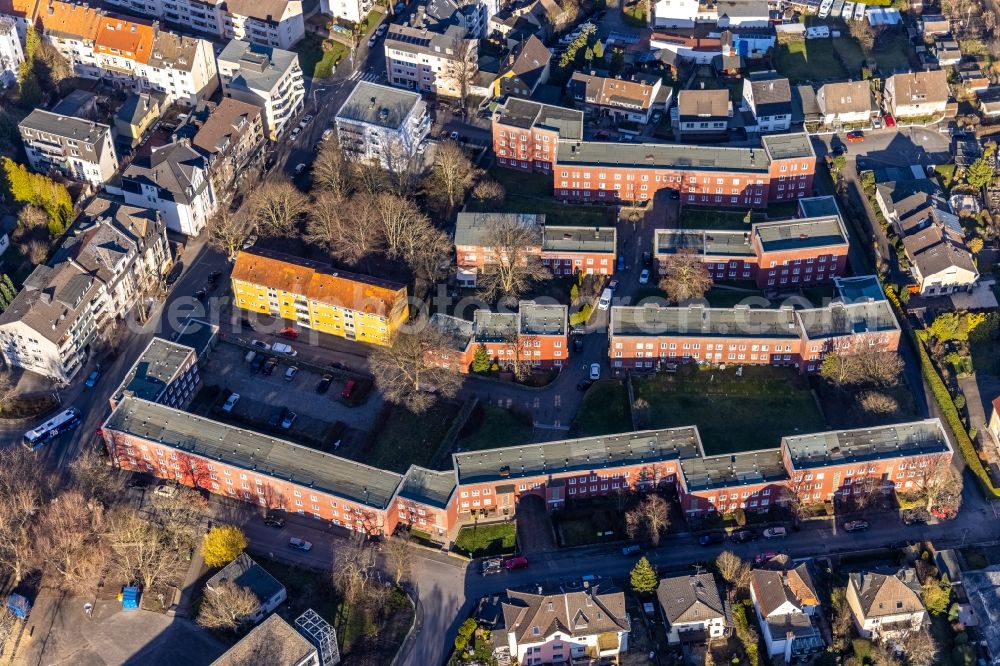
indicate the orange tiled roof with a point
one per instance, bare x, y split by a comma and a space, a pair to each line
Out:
128, 38
66, 18
318, 282
26, 9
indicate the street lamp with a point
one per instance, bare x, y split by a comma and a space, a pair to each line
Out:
316, 90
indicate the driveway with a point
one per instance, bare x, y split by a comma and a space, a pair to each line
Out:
534, 527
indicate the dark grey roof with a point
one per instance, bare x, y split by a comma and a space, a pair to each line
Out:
838, 319
771, 94
456, 331
838, 447
473, 229
742, 321
375, 104
264, 455
660, 155
90, 136
244, 572
704, 242
731, 470
157, 366
815, 232
260, 67
494, 326
578, 239
587, 453
172, 169
138, 106
525, 114
428, 486
788, 146
693, 598
535, 319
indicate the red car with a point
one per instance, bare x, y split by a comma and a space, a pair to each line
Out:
855, 137
517, 562
289, 333
348, 391
890, 121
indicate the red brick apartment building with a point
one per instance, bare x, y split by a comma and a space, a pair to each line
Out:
166, 442
525, 133
563, 250
165, 372
601, 172
644, 337
775, 255
536, 336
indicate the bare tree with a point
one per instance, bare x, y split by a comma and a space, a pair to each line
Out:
921, 649
862, 31
403, 166
401, 221
31, 218
36, 250
227, 607
331, 170
459, 71
69, 539
96, 478
405, 372
989, 20
491, 193
430, 256
512, 265
650, 519
8, 389
842, 620
684, 277
733, 569
937, 482
345, 229
873, 402
352, 574
397, 556
864, 364
277, 207
141, 548
226, 232
451, 176
24, 487
368, 177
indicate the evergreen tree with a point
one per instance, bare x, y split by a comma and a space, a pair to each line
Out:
643, 577
574, 294
39, 190
481, 360
598, 50
7, 292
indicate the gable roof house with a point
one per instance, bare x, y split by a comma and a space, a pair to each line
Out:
245, 572
785, 602
917, 93
769, 98
703, 113
989, 102
619, 99
231, 138
886, 606
528, 68
139, 111
692, 608
565, 626
947, 51
845, 102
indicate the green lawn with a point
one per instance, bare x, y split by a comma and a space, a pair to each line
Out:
374, 17
733, 413
488, 539
605, 410
892, 51
532, 193
404, 438
986, 356
494, 427
702, 218
815, 59
318, 57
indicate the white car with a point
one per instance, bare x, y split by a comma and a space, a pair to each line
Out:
327, 133
231, 402
299, 544
453, 136
422, 147
372, 41
381, 29
644, 276
774, 533
282, 348
295, 134
306, 119
595, 371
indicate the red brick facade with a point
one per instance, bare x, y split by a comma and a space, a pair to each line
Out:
525, 149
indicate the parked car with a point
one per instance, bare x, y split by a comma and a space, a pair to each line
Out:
775, 533
647, 259
631, 549
299, 544
584, 384
282, 348
856, 526
605, 301
577, 344
260, 344
711, 538
174, 273
856, 137
327, 133
372, 41
289, 420
269, 365
644, 276
422, 147
765, 557
290, 373
621, 262
743, 536
275, 522
231, 402
324, 384
92, 379
250, 241
890, 121
257, 364
349, 387
163, 490
288, 332
295, 134
516, 562
492, 566
299, 168
595, 371
381, 29
277, 414
613, 285
306, 119
453, 136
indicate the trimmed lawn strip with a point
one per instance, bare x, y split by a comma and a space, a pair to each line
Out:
405, 438
809, 60
733, 413
605, 410
701, 218
488, 539
499, 428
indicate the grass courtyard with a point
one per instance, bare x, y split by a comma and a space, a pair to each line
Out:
494, 427
604, 411
532, 193
403, 438
703, 218
819, 60
488, 539
732, 413
318, 57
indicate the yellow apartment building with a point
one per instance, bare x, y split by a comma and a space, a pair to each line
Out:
317, 296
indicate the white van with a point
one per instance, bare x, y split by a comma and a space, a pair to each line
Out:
605, 301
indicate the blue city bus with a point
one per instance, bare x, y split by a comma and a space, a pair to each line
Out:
59, 423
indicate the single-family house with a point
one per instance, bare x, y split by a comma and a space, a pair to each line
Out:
785, 602
947, 51
528, 67
137, 114
703, 113
244, 572
845, 102
934, 24
769, 98
692, 608
616, 98
886, 606
917, 93
989, 102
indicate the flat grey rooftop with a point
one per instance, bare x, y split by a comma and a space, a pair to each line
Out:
542, 319
494, 326
698, 321
740, 469
263, 454
818, 206
68, 127
157, 366
379, 105
847, 318
711, 243
585, 454
863, 444
788, 146
578, 239
811, 232
525, 114
661, 155
429, 487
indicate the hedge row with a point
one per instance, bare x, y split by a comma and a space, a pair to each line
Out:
954, 421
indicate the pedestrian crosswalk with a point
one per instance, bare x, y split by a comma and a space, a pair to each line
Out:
374, 77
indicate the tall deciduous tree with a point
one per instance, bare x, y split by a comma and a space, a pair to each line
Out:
69, 538
277, 207
649, 520
331, 170
227, 607
348, 230
141, 548
406, 374
451, 176
397, 556
459, 71
24, 487
863, 364
684, 277
511, 266
226, 232
733, 569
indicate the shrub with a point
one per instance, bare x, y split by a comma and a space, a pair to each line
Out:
465, 633
581, 317
222, 545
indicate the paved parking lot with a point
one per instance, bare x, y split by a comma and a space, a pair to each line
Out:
260, 394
